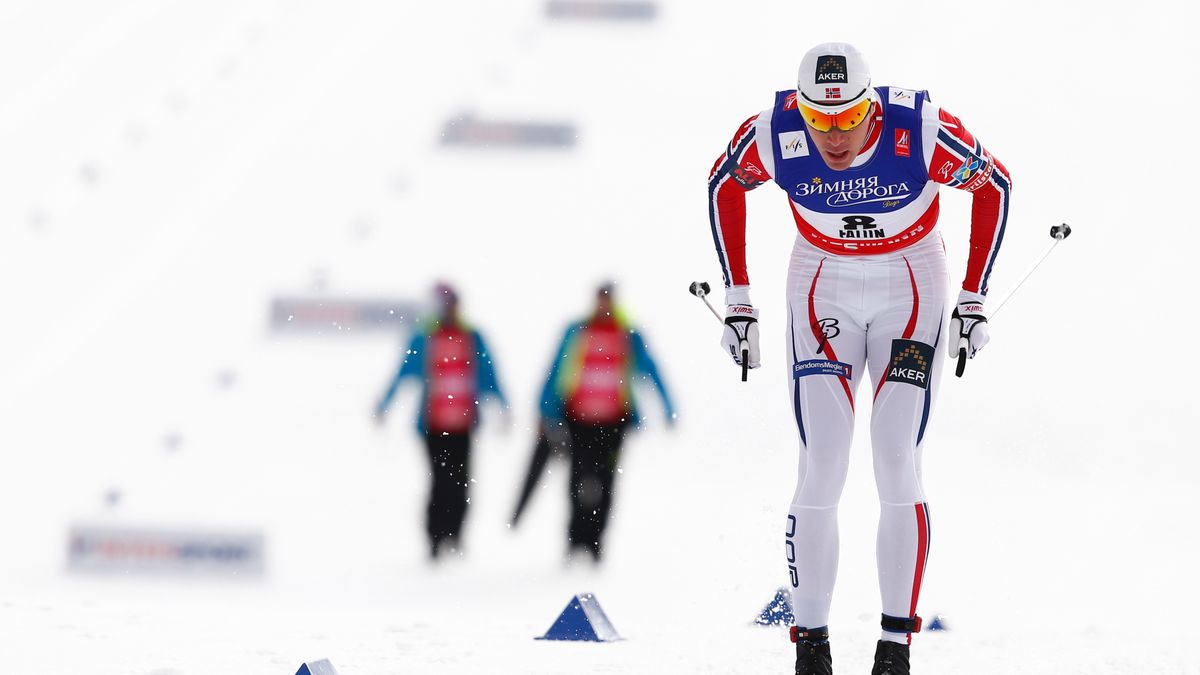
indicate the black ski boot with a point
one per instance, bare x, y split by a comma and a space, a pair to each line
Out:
812, 651
891, 658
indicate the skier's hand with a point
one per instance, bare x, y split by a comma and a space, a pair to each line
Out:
968, 325
741, 333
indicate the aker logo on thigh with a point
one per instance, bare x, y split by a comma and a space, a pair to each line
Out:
910, 362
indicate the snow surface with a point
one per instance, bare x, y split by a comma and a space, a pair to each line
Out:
168, 167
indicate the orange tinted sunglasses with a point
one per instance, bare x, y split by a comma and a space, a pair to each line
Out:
844, 120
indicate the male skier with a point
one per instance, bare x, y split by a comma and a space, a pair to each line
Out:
867, 286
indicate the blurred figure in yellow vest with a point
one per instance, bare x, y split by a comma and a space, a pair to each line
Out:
589, 395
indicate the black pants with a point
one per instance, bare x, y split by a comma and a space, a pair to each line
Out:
594, 451
448, 494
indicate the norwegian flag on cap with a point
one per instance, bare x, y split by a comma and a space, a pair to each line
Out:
833, 92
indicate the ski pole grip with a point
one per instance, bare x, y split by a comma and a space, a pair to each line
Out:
745, 361
962, 362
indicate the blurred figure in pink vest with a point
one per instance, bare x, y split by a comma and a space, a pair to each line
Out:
455, 368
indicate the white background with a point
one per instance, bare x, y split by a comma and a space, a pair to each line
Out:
168, 167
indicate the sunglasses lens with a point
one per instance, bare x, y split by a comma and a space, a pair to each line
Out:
844, 120
816, 119
848, 119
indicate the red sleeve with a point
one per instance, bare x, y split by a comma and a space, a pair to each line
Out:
736, 171
960, 161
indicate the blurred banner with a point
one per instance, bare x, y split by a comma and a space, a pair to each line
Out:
331, 315
466, 130
95, 548
598, 9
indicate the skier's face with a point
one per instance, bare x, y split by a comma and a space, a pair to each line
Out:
840, 148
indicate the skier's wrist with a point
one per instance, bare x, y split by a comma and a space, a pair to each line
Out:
970, 304
738, 295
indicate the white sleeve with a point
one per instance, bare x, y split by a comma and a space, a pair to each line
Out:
930, 125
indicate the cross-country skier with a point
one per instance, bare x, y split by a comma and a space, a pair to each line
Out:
452, 362
866, 299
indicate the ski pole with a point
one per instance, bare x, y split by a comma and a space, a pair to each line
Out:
701, 289
1058, 233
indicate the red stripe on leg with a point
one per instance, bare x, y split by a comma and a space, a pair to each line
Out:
922, 554
916, 304
814, 324
912, 321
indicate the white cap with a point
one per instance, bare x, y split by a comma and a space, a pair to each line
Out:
833, 77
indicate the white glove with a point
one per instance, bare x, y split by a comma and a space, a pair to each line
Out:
741, 333
968, 325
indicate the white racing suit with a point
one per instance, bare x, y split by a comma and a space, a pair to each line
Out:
877, 318
867, 299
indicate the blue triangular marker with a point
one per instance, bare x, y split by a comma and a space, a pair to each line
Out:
938, 623
778, 611
582, 620
322, 667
